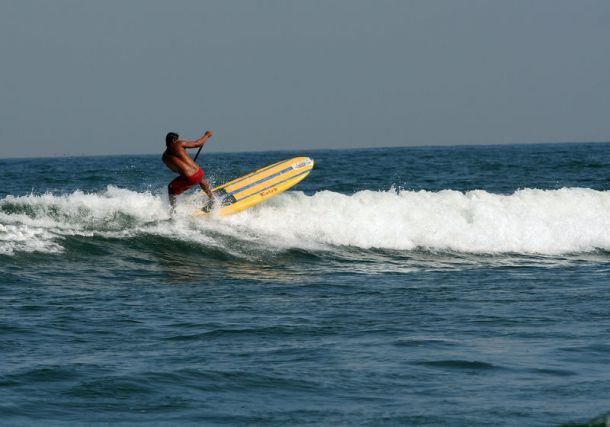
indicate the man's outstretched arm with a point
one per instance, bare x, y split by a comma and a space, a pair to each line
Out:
198, 142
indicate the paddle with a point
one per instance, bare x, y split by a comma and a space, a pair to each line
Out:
197, 155
208, 134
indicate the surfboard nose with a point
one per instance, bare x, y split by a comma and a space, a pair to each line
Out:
303, 162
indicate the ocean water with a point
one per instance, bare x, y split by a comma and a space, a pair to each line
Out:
454, 286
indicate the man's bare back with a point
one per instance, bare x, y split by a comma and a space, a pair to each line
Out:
178, 160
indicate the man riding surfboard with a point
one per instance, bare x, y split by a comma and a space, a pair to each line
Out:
178, 160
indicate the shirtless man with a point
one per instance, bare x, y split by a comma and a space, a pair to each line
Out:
177, 159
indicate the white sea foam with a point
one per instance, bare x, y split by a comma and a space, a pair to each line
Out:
37, 223
528, 221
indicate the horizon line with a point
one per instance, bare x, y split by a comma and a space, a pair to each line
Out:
57, 156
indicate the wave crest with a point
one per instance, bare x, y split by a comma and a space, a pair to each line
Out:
528, 221
533, 221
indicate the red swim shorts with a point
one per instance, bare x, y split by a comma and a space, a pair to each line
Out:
181, 184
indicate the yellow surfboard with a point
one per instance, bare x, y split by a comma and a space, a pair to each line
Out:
258, 186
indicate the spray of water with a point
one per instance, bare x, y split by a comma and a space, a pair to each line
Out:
533, 221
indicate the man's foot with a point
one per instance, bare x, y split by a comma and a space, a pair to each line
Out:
209, 206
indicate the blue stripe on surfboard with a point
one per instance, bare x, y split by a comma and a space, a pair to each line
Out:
271, 186
250, 175
267, 178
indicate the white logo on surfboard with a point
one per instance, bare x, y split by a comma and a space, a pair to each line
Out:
302, 164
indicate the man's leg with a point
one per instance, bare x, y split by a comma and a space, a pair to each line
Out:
172, 198
206, 188
211, 201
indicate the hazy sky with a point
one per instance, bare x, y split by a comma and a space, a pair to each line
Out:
112, 77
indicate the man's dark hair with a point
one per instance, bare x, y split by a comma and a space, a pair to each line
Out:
170, 138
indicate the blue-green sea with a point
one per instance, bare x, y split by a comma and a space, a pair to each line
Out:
438, 286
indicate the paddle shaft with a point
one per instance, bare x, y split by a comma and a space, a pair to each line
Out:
197, 155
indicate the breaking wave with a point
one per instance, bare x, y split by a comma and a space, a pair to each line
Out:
529, 221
